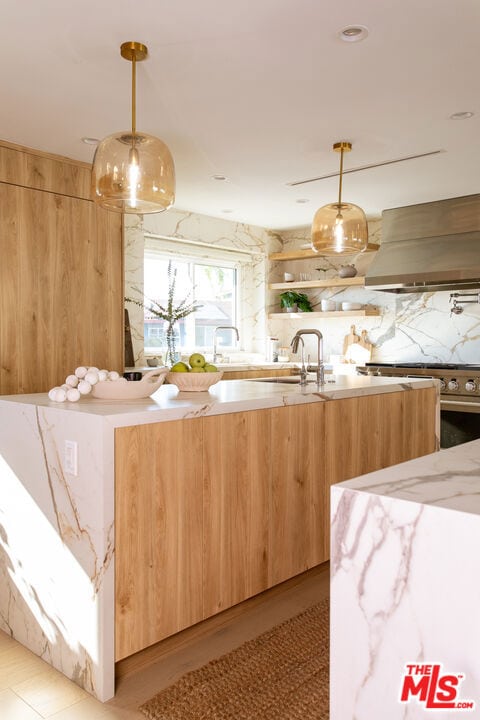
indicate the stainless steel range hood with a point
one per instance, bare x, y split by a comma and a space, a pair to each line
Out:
427, 247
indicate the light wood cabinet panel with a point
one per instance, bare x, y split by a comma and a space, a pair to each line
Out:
364, 434
237, 451
297, 491
61, 288
213, 510
10, 290
43, 171
159, 530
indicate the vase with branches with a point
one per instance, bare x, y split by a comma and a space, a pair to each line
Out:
170, 312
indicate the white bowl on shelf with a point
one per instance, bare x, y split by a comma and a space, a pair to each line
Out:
194, 382
352, 306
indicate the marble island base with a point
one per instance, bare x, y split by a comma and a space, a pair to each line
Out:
405, 590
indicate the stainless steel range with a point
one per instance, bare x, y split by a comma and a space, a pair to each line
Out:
459, 394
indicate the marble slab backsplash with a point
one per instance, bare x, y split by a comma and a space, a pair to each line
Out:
411, 327
416, 327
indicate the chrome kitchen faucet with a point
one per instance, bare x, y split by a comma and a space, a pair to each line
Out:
320, 366
221, 327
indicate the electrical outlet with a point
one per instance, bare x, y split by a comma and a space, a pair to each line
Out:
71, 457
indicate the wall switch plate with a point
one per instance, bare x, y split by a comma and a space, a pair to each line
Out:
71, 457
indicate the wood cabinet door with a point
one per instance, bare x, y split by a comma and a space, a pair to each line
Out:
264, 500
237, 454
61, 288
369, 433
158, 532
296, 491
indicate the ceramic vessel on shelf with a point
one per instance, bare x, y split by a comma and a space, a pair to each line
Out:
347, 271
328, 305
288, 277
123, 389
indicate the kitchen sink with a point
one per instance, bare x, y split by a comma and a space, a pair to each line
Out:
288, 379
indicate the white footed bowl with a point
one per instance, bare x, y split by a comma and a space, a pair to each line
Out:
123, 389
194, 382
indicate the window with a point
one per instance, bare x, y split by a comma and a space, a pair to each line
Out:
211, 283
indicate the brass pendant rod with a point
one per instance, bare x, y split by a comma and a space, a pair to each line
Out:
340, 181
134, 96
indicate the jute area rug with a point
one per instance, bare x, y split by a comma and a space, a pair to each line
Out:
280, 675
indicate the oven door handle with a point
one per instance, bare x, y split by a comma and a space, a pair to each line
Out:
422, 377
473, 407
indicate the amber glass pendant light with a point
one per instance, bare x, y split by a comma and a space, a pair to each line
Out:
133, 172
340, 228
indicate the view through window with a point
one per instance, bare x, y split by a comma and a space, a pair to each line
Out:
213, 285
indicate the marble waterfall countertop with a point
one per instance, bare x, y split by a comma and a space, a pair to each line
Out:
57, 509
227, 396
405, 588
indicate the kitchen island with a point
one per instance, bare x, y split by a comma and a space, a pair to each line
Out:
405, 595
125, 522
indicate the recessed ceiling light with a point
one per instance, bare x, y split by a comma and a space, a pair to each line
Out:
90, 141
462, 115
353, 33
221, 178
302, 201
227, 211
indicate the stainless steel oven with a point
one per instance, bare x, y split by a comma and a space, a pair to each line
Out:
459, 395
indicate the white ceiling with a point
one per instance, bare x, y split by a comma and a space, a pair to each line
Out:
258, 91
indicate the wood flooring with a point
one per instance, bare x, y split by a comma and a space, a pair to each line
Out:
30, 689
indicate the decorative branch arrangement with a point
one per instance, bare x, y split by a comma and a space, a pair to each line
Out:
171, 313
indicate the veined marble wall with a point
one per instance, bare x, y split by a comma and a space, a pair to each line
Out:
410, 327
178, 224
413, 327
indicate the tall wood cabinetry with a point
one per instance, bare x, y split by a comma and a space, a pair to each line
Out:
61, 273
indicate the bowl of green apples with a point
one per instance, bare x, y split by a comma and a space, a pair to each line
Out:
195, 376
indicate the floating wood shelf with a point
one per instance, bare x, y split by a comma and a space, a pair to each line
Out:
366, 312
304, 254
334, 282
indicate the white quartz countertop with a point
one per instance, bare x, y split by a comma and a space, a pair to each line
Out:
228, 396
448, 479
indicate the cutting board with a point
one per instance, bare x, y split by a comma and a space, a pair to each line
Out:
350, 339
357, 350
364, 343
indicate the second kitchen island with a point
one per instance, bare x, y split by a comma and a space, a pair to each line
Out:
179, 506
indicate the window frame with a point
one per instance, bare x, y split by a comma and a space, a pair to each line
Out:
199, 253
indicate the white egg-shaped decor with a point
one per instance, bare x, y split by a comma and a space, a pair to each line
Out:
60, 395
72, 381
81, 371
113, 375
84, 387
53, 392
93, 369
102, 375
73, 395
92, 377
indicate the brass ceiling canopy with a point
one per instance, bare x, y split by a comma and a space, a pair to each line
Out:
340, 228
133, 172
